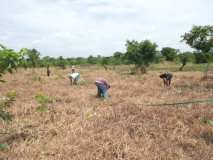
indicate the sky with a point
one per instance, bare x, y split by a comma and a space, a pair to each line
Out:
79, 28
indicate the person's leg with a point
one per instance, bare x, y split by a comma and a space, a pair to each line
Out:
71, 80
167, 83
98, 90
170, 80
164, 82
76, 79
104, 91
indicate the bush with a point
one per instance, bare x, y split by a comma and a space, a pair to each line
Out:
3, 146
207, 121
6, 102
43, 101
6, 116
203, 57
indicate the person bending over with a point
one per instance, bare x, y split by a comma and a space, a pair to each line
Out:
74, 77
102, 87
167, 78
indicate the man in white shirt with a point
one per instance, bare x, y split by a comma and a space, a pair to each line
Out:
74, 77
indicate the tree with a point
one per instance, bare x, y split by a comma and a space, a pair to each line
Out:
80, 60
104, 62
183, 59
141, 53
46, 61
31, 57
169, 53
9, 60
92, 60
201, 39
117, 58
61, 62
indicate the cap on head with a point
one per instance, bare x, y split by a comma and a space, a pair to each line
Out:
73, 69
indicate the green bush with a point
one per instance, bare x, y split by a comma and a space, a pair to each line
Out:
6, 116
11, 95
207, 121
42, 108
43, 101
3, 146
8, 99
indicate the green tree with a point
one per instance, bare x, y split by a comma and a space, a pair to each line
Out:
104, 62
169, 53
46, 61
61, 62
117, 58
31, 57
9, 60
184, 58
80, 60
141, 53
92, 60
201, 39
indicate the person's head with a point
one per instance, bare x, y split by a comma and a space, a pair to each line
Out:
73, 69
162, 75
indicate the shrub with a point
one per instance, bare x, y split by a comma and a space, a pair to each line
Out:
3, 146
43, 101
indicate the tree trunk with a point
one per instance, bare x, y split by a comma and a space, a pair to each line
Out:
143, 69
205, 76
181, 68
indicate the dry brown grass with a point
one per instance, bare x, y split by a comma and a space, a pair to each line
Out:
77, 125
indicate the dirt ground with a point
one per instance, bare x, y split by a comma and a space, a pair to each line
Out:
77, 125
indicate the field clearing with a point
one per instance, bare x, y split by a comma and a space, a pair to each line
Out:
77, 125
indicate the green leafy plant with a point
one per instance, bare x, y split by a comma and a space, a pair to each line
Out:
206, 120
9, 60
7, 102
3, 146
43, 101
11, 95
141, 53
6, 116
8, 99
42, 108
82, 82
89, 112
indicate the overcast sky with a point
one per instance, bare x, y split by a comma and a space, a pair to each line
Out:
73, 28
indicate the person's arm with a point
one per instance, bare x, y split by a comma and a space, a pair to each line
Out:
71, 80
107, 84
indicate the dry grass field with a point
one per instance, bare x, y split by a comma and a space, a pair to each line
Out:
74, 124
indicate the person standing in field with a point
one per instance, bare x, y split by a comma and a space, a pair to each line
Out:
167, 78
48, 70
74, 76
102, 87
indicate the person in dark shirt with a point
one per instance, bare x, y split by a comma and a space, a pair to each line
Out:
167, 78
48, 70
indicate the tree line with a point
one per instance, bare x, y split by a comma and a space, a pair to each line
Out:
141, 54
